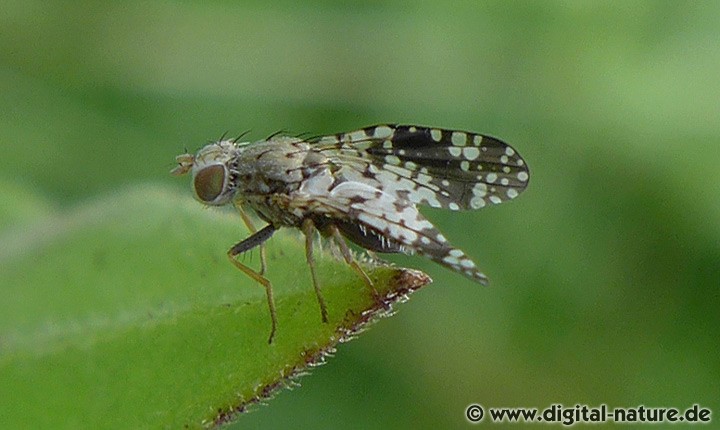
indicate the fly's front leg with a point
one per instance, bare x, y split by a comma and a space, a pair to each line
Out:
308, 229
347, 255
249, 224
257, 239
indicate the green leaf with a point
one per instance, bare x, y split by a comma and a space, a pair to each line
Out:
19, 203
126, 313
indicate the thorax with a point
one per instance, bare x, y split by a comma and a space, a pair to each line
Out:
269, 171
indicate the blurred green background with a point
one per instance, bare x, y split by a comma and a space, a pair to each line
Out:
604, 273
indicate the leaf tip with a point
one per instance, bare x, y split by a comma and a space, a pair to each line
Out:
401, 282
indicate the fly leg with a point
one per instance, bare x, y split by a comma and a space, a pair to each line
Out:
347, 255
308, 229
257, 239
249, 224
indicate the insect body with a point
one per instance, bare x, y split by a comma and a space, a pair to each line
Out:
364, 186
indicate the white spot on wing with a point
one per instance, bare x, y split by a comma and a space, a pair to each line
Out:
357, 135
467, 263
428, 196
480, 189
383, 132
392, 159
449, 259
477, 202
423, 179
436, 134
458, 138
471, 153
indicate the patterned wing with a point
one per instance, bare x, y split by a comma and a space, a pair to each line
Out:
379, 221
442, 168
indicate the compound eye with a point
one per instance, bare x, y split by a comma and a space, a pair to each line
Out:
209, 182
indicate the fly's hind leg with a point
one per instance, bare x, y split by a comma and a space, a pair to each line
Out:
308, 229
257, 239
347, 255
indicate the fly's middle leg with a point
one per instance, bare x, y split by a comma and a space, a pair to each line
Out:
308, 229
